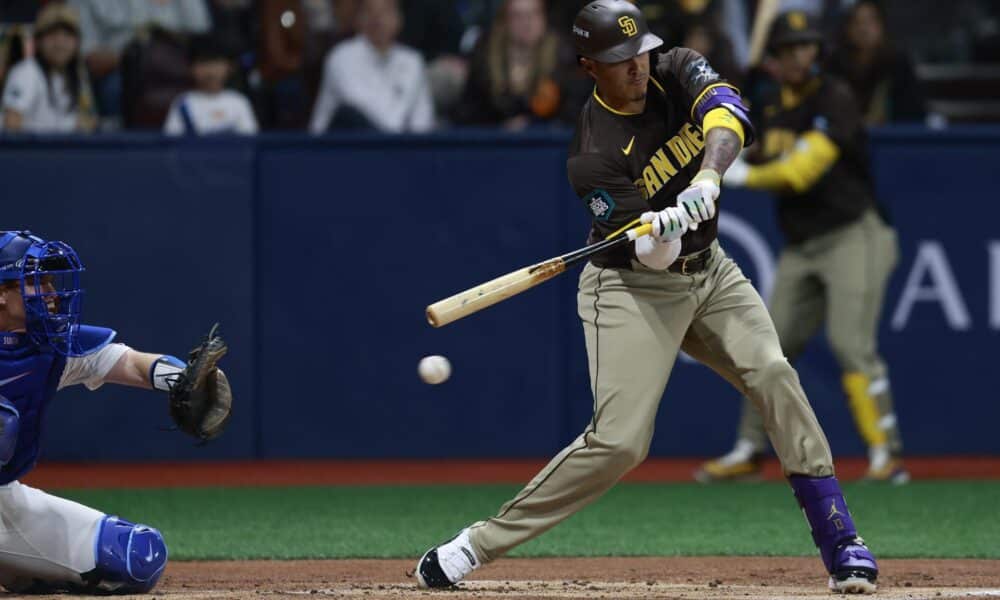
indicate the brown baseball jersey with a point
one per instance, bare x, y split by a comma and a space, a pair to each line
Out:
622, 164
844, 192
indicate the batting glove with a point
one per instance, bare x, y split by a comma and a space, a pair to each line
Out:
737, 173
669, 224
698, 199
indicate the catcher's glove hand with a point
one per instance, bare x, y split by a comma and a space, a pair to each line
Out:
200, 398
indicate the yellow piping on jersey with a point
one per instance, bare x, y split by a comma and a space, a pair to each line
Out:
721, 117
657, 84
705, 91
814, 154
605, 105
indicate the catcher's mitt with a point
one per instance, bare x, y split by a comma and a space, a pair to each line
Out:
200, 398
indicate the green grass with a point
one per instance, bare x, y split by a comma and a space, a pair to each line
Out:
923, 519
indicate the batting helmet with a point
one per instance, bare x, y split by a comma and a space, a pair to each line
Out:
611, 31
793, 27
48, 275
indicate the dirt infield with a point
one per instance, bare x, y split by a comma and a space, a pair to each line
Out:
375, 472
683, 578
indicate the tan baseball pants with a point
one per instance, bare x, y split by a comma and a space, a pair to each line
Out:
635, 322
840, 278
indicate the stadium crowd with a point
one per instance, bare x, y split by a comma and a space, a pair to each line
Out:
242, 66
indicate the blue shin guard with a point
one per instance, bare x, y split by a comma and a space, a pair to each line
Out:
844, 553
130, 558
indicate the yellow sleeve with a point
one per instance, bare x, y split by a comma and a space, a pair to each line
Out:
721, 117
814, 155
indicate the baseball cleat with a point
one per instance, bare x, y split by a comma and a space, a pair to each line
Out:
445, 565
891, 471
856, 569
743, 463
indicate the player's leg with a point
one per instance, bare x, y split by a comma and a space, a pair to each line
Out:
49, 543
797, 310
633, 327
856, 270
733, 330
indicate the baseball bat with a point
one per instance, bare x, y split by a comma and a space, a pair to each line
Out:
496, 290
766, 11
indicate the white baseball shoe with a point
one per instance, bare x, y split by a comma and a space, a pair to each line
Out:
447, 564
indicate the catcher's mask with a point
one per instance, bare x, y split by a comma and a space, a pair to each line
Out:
48, 274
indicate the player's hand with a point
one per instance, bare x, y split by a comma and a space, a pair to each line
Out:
698, 199
669, 224
737, 173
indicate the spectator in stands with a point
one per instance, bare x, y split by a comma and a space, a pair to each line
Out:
210, 108
373, 82
515, 77
234, 25
882, 78
49, 93
108, 27
435, 28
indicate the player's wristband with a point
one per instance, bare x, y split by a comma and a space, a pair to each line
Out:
707, 175
164, 370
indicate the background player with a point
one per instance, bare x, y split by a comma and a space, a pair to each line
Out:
651, 145
46, 542
840, 250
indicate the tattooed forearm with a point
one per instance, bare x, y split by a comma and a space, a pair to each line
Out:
722, 146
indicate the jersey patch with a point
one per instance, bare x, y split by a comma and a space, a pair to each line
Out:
701, 73
600, 204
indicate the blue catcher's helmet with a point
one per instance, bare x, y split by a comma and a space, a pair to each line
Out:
48, 274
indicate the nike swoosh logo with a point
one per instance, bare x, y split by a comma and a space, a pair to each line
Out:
4, 382
150, 557
628, 149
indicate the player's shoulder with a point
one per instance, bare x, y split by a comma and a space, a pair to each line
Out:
91, 339
685, 65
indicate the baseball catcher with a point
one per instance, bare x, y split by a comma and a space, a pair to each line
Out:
47, 543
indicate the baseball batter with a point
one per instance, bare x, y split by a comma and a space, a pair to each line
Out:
48, 543
651, 145
839, 253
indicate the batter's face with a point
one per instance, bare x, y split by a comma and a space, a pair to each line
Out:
795, 62
623, 82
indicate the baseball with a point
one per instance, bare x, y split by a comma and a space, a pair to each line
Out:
434, 369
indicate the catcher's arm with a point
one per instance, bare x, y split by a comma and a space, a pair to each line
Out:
135, 369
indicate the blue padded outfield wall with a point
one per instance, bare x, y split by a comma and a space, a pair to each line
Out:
319, 256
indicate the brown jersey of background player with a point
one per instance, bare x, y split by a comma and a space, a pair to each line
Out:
839, 253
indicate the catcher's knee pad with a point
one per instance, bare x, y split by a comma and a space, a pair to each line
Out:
130, 557
10, 425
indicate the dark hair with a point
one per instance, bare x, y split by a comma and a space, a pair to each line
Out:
205, 48
73, 82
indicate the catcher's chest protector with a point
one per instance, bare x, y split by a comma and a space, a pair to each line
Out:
28, 381
29, 378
